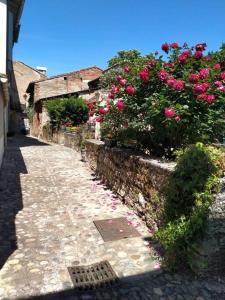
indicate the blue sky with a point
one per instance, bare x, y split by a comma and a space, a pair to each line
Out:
65, 35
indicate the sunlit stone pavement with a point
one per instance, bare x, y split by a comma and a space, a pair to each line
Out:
48, 202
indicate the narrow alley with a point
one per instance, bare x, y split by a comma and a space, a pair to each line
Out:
48, 202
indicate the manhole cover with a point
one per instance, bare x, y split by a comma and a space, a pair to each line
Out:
115, 229
93, 276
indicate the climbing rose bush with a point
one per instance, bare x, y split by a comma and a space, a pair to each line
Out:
167, 101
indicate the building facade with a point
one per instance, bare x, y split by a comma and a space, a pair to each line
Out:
60, 86
10, 13
23, 75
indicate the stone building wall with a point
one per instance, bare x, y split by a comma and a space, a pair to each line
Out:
24, 75
61, 85
64, 84
21, 77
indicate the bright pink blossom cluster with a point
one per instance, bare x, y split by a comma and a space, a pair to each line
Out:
170, 113
206, 97
144, 75
200, 88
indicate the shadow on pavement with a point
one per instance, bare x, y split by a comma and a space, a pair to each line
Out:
11, 201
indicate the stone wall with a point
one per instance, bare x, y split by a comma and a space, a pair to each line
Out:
70, 140
137, 179
210, 252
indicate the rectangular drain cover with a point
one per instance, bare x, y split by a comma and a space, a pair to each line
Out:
115, 229
93, 276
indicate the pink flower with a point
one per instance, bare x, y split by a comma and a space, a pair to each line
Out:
200, 47
187, 53
210, 99
193, 78
178, 119
103, 110
169, 65
163, 75
99, 119
207, 98
204, 73
178, 85
169, 112
123, 82
216, 66
222, 75
218, 83
118, 78
200, 88
222, 89
91, 105
120, 105
144, 75
165, 47
157, 266
207, 58
114, 89
130, 90
170, 82
126, 68
182, 58
198, 55
110, 96
151, 63
202, 97
174, 45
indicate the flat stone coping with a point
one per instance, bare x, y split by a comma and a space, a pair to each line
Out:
169, 166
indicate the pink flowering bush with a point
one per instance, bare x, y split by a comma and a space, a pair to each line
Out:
167, 102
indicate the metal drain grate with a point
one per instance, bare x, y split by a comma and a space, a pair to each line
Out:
93, 276
115, 229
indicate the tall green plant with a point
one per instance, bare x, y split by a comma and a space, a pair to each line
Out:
188, 196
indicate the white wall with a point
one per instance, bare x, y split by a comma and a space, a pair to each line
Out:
3, 35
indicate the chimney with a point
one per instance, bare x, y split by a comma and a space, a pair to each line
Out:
42, 70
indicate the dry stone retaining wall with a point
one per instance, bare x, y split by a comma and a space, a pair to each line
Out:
136, 179
139, 181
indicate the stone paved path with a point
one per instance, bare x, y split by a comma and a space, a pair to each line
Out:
48, 201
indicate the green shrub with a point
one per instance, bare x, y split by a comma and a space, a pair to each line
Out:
76, 111
55, 111
174, 101
188, 195
72, 111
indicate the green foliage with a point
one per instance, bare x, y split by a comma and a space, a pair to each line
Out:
30, 113
124, 56
188, 195
70, 112
55, 111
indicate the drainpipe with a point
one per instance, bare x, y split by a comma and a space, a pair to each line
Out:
5, 88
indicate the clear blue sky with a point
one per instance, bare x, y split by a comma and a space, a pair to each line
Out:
66, 35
